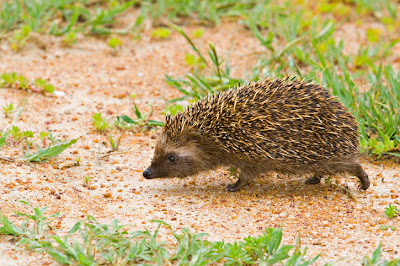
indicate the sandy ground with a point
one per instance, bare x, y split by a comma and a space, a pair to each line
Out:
94, 80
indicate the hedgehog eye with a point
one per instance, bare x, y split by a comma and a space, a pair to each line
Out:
172, 158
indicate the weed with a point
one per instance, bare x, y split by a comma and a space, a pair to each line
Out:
141, 120
44, 154
114, 43
69, 39
100, 123
20, 37
392, 211
43, 85
86, 181
161, 33
173, 109
8, 110
16, 81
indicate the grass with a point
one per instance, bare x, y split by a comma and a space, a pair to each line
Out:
89, 242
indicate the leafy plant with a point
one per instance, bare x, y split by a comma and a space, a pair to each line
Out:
392, 211
114, 43
69, 39
161, 33
20, 37
43, 85
8, 109
44, 154
124, 121
100, 123
16, 81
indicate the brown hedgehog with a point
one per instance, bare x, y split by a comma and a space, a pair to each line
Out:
287, 126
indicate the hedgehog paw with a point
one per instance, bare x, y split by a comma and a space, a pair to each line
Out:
237, 186
232, 187
313, 180
364, 185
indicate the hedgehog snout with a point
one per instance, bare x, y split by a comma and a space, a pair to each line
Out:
148, 173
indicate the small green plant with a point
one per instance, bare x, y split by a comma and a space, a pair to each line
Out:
125, 122
8, 110
173, 109
29, 233
100, 123
16, 81
43, 85
20, 37
86, 181
16, 133
13, 80
198, 33
392, 211
114, 43
3, 137
69, 39
43, 154
161, 33
43, 136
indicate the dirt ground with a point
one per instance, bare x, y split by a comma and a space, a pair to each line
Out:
328, 220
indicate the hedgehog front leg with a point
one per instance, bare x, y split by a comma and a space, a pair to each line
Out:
316, 179
244, 180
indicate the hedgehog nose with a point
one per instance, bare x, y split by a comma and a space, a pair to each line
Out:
147, 173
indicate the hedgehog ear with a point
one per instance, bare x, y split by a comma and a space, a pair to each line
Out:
195, 137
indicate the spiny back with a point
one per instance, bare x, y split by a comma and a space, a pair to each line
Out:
288, 120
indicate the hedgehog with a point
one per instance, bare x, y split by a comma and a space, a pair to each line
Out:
286, 126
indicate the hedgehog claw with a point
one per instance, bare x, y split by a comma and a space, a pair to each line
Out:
238, 185
232, 188
313, 180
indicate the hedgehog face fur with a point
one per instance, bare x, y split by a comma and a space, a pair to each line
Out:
177, 159
286, 126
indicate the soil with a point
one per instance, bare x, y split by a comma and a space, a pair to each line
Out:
342, 224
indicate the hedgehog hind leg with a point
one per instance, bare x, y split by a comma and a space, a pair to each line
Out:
316, 179
362, 176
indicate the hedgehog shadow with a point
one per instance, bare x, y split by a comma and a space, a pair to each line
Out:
265, 187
